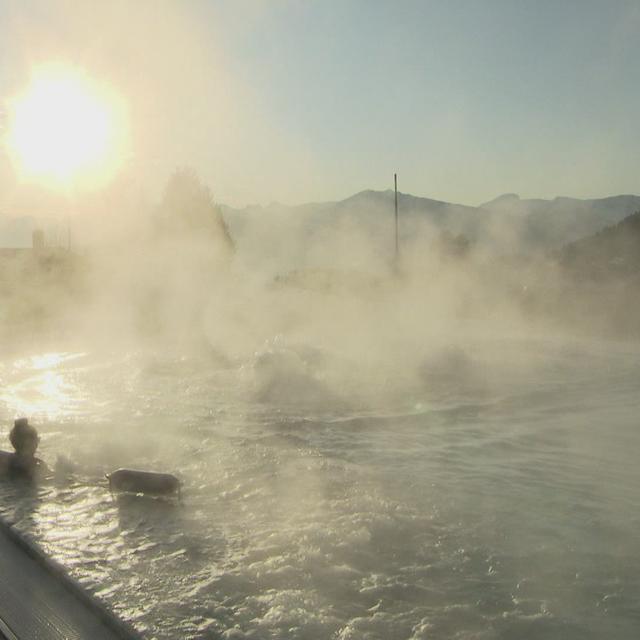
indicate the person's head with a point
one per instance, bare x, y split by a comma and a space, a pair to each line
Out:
24, 437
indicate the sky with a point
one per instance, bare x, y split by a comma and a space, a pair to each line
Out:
297, 101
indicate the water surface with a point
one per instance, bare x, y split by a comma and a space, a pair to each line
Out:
491, 492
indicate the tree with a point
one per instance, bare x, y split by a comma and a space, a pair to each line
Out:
188, 208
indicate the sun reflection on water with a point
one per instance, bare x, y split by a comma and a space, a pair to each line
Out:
41, 386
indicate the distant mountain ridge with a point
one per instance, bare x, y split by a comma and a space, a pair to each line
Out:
505, 224
552, 223
613, 252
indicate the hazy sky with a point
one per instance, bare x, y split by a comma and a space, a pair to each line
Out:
298, 101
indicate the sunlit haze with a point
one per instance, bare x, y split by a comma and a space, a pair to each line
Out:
297, 102
249, 390
65, 131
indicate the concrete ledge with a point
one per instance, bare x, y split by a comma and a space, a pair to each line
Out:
38, 596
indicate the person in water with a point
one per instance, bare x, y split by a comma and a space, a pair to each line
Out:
23, 462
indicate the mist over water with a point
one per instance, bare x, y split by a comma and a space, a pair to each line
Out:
489, 506
366, 452
439, 444
364, 455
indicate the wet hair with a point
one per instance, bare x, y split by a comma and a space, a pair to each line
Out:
22, 431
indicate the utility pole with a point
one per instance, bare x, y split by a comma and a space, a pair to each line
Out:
397, 252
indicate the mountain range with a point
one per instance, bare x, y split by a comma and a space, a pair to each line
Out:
507, 224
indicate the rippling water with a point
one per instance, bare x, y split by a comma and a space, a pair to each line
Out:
492, 492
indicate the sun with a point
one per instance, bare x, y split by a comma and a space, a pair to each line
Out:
66, 130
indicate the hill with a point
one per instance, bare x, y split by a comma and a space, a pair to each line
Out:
360, 228
507, 225
550, 224
613, 252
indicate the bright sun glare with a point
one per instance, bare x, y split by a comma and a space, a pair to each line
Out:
65, 130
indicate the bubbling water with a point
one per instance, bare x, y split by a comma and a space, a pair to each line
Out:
446, 504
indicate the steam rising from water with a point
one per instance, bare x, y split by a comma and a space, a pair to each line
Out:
497, 507
369, 449
367, 452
